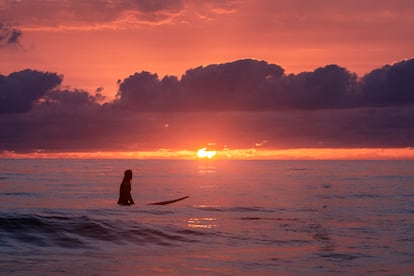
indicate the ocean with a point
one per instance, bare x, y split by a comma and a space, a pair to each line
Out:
60, 217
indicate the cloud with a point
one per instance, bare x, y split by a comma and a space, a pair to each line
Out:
248, 85
9, 35
59, 128
113, 14
158, 5
242, 85
389, 85
20, 90
229, 86
237, 104
220, 87
326, 87
75, 98
96, 14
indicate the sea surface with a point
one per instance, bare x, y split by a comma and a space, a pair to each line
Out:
60, 217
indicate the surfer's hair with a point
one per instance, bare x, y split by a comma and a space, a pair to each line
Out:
128, 175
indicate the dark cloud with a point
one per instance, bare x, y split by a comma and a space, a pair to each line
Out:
158, 5
59, 120
247, 85
328, 87
9, 35
389, 85
93, 129
230, 86
139, 91
70, 98
223, 87
19, 90
237, 104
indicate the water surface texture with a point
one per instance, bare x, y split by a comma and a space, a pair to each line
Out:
242, 218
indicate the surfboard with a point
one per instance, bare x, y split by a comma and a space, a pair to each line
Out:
168, 201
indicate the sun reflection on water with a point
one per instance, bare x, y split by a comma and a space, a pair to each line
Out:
202, 223
206, 167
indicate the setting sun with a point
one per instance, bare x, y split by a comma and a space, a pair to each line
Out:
204, 153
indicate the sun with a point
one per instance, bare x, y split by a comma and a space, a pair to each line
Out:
204, 153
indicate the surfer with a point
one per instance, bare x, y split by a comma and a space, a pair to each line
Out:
125, 197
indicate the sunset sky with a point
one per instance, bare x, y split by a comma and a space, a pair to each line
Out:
175, 75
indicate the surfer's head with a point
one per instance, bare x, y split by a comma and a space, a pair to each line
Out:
128, 175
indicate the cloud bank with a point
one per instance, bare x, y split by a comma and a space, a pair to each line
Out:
236, 104
250, 85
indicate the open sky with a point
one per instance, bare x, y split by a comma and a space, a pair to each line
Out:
175, 75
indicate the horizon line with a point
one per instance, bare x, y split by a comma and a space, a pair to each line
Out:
228, 154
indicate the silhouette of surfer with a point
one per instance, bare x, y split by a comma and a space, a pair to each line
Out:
125, 197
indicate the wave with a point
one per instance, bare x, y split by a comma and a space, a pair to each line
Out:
342, 256
86, 232
18, 194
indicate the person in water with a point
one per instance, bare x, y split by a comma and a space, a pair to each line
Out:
125, 197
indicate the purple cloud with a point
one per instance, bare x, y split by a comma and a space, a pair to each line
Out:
20, 90
389, 85
235, 104
248, 85
220, 87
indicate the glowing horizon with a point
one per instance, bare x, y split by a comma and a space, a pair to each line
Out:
205, 153
232, 154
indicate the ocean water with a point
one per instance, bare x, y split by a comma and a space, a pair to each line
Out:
241, 218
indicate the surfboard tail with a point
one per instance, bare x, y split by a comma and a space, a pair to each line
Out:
168, 201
